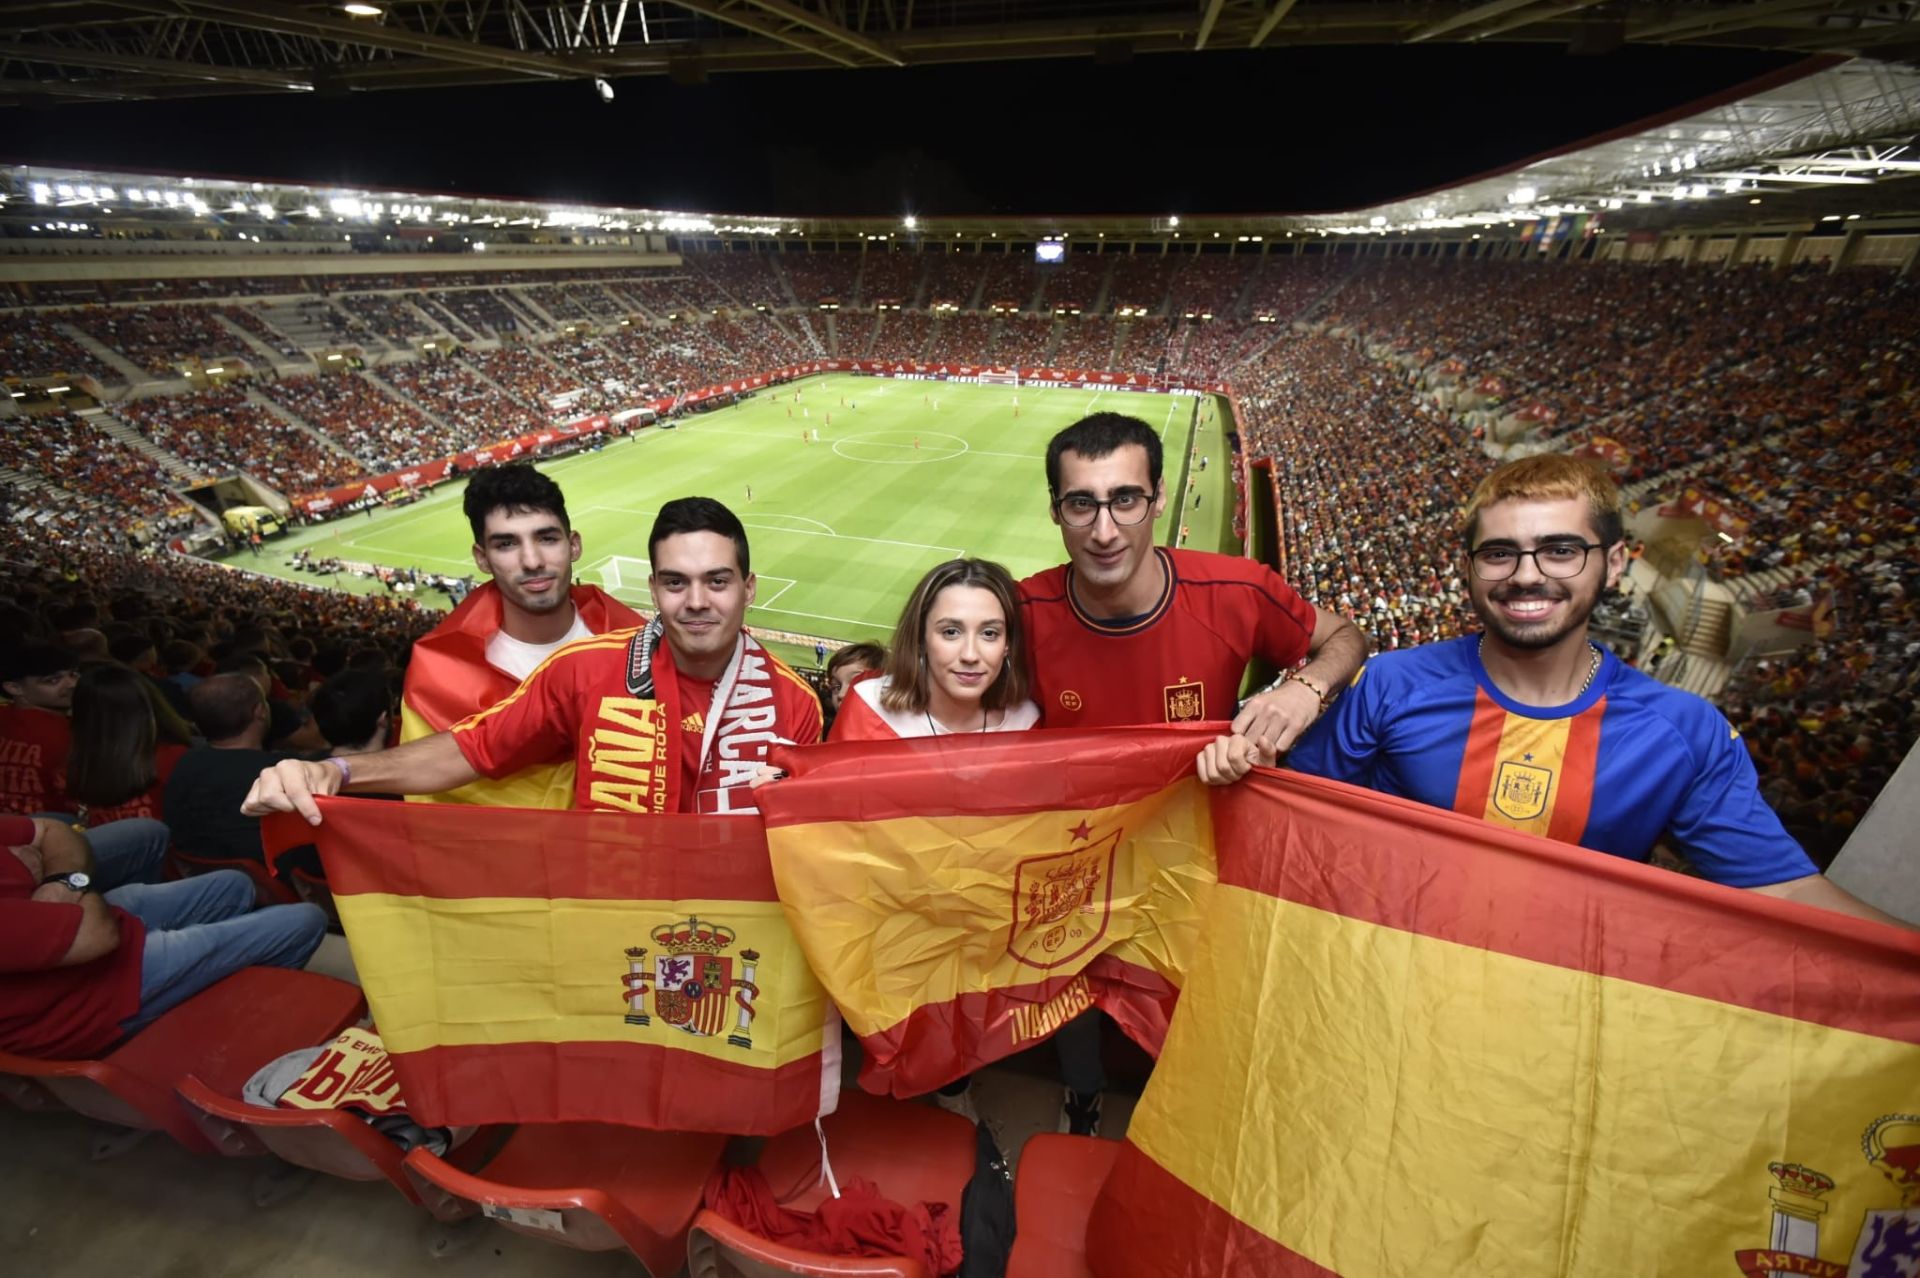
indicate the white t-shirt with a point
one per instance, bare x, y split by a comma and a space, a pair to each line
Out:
914, 723
510, 656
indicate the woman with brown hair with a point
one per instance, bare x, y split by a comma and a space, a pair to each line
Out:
126, 739
957, 662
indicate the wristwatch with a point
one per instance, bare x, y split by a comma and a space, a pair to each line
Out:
73, 881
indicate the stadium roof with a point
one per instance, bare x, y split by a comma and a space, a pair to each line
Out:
1812, 142
105, 50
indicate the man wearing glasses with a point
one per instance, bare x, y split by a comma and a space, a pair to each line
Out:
1127, 632
1532, 726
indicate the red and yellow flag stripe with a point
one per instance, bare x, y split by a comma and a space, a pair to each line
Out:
1413, 1043
530, 966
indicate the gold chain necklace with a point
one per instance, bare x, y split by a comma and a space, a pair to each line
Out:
1593, 666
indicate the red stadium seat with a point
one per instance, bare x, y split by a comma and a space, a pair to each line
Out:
222, 1034
332, 1141
914, 1153
1052, 1199
267, 890
593, 1186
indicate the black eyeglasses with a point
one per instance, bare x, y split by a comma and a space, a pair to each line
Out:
1561, 559
1077, 510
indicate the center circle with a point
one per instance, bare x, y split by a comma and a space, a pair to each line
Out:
896, 447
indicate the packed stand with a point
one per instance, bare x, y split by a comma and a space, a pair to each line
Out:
745, 279
32, 345
1086, 342
246, 317
382, 432
391, 316
157, 338
963, 339
903, 336
480, 309
822, 277
1144, 345
219, 430
1023, 340
521, 371
1075, 281
854, 331
890, 277
1141, 279
1211, 284
65, 450
1290, 283
1828, 725
449, 390
1369, 479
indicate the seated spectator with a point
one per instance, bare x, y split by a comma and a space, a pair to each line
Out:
354, 710
35, 733
287, 727
208, 783
846, 668
126, 741
80, 970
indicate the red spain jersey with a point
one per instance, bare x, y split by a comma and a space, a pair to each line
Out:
1179, 662
634, 754
33, 760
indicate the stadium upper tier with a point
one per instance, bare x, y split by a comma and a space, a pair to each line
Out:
1368, 378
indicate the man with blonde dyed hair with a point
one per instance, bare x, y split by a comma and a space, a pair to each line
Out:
1531, 725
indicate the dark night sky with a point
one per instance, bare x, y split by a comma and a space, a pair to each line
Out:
1281, 131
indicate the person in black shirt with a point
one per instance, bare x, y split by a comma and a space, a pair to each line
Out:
204, 793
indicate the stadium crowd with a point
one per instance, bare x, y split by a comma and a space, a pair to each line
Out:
221, 429
384, 433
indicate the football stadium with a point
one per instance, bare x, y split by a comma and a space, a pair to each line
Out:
1077, 639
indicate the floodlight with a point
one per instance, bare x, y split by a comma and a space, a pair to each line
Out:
264, 210
42, 194
362, 10
1173, 221
912, 222
1523, 195
604, 89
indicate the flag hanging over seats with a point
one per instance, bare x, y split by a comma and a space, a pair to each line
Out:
962, 897
540, 966
1411, 1042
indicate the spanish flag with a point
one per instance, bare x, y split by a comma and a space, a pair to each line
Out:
1414, 1043
962, 897
533, 966
448, 678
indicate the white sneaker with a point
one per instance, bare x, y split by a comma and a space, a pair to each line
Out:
960, 1103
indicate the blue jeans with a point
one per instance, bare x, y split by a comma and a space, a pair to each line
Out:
203, 929
124, 852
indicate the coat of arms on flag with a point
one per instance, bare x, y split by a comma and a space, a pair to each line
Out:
692, 981
1062, 902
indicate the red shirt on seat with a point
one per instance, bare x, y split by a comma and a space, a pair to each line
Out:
47, 1010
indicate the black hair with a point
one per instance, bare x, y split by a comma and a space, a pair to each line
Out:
349, 705
1099, 435
516, 488
699, 514
34, 661
224, 704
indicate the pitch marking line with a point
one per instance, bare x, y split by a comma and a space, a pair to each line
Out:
800, 532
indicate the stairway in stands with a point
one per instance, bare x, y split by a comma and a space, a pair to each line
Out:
132, 372
113, 428
1706, 669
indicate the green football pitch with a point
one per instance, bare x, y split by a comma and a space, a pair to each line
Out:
903, 476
